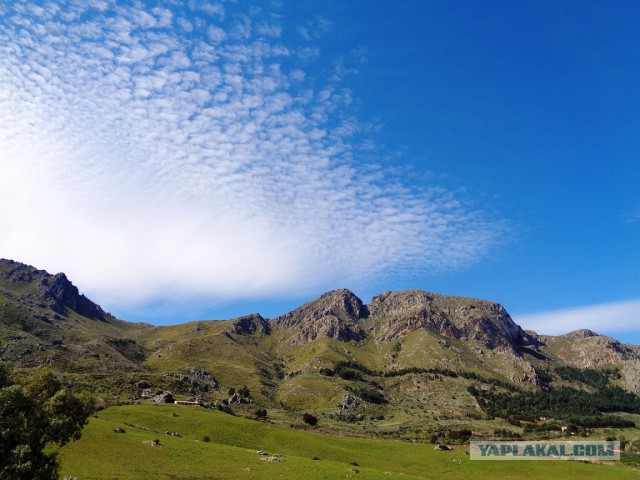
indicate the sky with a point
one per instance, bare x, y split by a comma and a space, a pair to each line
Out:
185, 159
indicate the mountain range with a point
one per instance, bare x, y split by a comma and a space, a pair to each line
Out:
409, 357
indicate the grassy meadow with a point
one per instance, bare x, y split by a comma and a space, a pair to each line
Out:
230, 452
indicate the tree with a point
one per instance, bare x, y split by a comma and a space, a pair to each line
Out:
309, 419
37, 414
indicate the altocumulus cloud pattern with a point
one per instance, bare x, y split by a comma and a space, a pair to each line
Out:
191, 146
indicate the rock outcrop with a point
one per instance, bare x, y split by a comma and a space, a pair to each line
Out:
335, 314
250, 324
400, 313
164, 397
581, 334
196, 379
54, 291
588, 349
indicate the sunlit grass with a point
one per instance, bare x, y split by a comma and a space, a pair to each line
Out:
233, 442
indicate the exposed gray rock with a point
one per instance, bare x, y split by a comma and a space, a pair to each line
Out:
237, 398
222, 406
487, 323
442, 448
581, 334
348, 407
54, 291
164, 397
197, 379
589, 350
250, 324
334, 315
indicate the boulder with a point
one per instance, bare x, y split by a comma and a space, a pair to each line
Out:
164, 397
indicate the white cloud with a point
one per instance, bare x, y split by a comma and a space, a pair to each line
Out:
216, 34
602, 318
146, 163
269, 30
185, 24
315, 29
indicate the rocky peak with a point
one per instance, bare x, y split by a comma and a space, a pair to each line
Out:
403, 312
16, 272
250, 324
54, 291
581, 334
335, 314
588, 349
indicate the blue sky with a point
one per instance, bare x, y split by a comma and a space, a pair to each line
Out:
183, 160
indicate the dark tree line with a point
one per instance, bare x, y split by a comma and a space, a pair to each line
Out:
588, 376
581, 407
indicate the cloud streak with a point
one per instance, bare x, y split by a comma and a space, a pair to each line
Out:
617, 317
185, 148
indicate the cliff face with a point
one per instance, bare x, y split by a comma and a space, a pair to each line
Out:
404, 312
250, 324
55, 292
339, 314
45, 320
587, 349
335, 314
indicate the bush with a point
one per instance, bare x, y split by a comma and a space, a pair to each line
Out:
277, 368
309, 419
346, 374
370, 395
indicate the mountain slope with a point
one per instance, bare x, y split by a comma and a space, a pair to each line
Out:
411, 357
45, 320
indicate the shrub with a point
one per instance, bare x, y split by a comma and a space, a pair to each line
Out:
309, 419
370, 395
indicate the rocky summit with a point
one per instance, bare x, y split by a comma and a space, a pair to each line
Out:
335, 315
410, 357
54, 292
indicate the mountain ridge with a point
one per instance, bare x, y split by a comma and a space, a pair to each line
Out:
409, 355
57, 292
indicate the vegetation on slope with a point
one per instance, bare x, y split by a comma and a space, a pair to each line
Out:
580, 407
231, 452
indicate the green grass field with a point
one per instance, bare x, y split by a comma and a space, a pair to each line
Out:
231, 452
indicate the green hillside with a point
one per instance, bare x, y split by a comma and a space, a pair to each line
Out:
412, 366
233, 442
